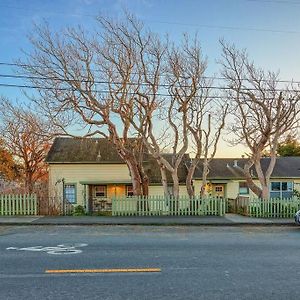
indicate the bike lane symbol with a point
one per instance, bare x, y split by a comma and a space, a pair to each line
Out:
60, 249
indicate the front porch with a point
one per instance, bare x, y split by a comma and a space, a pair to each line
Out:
98, 195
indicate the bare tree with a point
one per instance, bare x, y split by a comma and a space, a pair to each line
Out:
265, 112
92, 81
207, 120
172, 107
28, 138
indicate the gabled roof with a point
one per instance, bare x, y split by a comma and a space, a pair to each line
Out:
229, 168
101, 151
83, 150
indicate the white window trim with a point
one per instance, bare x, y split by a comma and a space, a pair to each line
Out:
280, 191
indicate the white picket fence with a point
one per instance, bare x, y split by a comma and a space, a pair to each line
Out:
11, 205
159, 205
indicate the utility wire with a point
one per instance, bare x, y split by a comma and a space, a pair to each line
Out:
163, 75
132, 83
109, 92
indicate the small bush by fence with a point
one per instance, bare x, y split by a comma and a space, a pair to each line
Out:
156, 206
269, 208
11, 205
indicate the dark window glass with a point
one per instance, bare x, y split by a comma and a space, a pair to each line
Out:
100, 191
129, 191
275, 186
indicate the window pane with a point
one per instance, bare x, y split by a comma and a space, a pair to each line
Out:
275, 186
70, 193
243, 188
129, 190
287, 194
284, 186
274, 194
289, 185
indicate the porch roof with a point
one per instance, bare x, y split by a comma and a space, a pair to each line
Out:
219, 181
92, 182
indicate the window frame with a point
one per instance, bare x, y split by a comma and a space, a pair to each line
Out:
281, 191
105, 191
248, 190
219, 191
75, 191
126, 190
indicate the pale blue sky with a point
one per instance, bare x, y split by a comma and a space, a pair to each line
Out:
269, 29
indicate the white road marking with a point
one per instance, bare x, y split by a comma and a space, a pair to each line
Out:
57, 250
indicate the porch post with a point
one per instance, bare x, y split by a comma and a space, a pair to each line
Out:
86, 203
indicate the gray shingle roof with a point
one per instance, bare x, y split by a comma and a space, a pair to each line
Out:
101, 151
223, 168
83, 150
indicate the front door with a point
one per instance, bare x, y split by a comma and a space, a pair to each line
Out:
219, 191
98, 199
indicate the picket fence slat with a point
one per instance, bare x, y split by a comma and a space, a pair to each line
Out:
11, 204
160, 205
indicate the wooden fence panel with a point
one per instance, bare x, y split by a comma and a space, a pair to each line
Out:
268, 208
11, 205
159, 205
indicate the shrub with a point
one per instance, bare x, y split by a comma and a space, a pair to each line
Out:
79, 211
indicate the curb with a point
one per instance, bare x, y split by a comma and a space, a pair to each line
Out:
156, 224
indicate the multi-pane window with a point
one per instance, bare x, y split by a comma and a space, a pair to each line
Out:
281, 189
219, 189
100, 191
129, 191
70, 193
243, 188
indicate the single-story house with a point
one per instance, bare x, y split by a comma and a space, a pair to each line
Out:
89, 172
226, 179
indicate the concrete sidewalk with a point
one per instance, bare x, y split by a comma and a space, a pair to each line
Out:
228, 220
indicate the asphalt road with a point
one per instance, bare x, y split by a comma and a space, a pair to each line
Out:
195, 262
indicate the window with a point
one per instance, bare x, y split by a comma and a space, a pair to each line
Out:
100, 191
70, 193
219, 189
243, 188
129, 191
282, 189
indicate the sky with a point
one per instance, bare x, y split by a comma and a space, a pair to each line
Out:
268, 29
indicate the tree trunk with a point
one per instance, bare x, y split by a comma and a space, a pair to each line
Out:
265, 192
164, 180
250, 183
28, 183
189, 179
145, 185
204, 179
175, 190
135, 177
175, 184
189, 184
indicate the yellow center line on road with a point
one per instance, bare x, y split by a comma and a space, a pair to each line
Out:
104, 270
